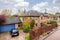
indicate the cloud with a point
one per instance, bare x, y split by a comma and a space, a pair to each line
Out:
56, 2
7, 1
40, 5
22, 4
53, 10
12, 1
16, 3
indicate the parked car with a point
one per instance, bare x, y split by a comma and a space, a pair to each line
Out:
14, 32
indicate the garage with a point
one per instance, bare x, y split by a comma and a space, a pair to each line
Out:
6, 28
9, 24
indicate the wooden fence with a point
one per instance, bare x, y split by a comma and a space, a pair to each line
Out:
35, 33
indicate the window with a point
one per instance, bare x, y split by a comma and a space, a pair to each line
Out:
36, 24
20, 25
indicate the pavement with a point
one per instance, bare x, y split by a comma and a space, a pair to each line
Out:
54, 36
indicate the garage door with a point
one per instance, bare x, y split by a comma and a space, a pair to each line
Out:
6, 28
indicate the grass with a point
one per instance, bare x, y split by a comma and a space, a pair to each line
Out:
27, 37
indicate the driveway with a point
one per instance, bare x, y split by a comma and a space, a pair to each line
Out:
6, 36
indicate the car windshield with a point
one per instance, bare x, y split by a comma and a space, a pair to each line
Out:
15, 30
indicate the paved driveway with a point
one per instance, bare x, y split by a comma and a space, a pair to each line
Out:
6, 36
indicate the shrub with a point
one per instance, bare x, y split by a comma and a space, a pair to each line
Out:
25, 25
51, 21
27, 37
43, 24
2, 18
26, 29
32, 24
18, 28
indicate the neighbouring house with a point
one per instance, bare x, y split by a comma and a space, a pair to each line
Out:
44, 17
58, 19
9, 23
31, 15
37, 16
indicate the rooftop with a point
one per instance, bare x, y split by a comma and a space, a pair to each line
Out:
12, 20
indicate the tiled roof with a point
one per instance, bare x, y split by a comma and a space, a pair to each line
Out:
12, 20
31, 13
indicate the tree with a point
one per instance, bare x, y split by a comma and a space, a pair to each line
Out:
20, 12
57, 13
25, 24
2, 18
32, 24
7, 12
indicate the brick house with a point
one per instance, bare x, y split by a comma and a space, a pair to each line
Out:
31, 15
37, 16
58, 19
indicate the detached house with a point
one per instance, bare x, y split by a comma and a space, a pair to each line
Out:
10, 23
36, 16
58, 19
31, 15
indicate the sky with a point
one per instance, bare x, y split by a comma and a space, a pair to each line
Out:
51, 6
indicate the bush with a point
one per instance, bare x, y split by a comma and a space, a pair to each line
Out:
51, 21
2, 18
26, 29
32, 24
43, 24
25, 25
48, 23
18, 28
27, 37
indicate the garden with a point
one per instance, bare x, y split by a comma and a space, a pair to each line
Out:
35, 32
46, 28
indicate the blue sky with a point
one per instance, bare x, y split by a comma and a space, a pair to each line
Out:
34, 2
51, 5
39, 5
